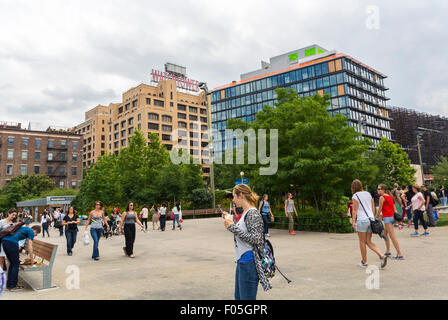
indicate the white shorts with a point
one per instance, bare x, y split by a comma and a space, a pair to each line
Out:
2, 252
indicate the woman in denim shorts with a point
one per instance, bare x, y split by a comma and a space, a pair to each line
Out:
363, 208
387, 209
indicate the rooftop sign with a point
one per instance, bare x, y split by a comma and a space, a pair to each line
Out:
181, 81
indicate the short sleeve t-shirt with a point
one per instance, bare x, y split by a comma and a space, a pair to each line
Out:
289, 205
71, 226
145, 213
364, 200
22, 233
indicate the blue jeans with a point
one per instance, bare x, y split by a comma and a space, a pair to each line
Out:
70, 235
12, 253
96, 235
176, 218
45, 229
266, 223
443, 200
246, 281
418, 215
409, 212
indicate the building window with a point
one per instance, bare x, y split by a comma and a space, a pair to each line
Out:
123, 124
61, 184
167, 128
182, 133
23, 170
181, 107
134, 103
24, 155
131, 131
38, 142
10, 142
148, 101
203, 119
63, 143
62, 171
74, 172
182, 124
116, 126
103, 138
74, 157
166, 137
193, 118
36, 170
169, 147
10, 154
194, 126
193, 109
123, 143
116, 144
203, 111
153, 126
50, 143
37, 156
73, 184
9, 169
75, 145
159, 103
166, 119
153, 116
131, 121
116, 136
50, 156
25, 142
181, 115
139, 117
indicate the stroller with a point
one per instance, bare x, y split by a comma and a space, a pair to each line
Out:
107, 234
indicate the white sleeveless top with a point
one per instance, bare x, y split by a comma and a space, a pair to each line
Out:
241, 246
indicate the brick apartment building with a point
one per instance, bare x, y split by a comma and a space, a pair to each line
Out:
55, 153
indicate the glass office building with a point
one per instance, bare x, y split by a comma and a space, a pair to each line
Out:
357, 91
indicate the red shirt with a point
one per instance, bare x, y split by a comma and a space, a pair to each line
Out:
388, 206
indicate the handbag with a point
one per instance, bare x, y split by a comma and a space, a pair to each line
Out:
375, 223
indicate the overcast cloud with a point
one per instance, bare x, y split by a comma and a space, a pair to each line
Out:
60, 58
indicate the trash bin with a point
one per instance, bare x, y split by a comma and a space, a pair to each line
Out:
83, 220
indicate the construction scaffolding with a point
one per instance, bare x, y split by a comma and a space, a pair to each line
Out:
433, 140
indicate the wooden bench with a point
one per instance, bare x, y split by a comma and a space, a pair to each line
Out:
200, 212
47, 252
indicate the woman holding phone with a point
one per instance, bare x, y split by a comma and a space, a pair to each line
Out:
71, 221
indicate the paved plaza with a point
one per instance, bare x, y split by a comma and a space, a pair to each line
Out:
196, 263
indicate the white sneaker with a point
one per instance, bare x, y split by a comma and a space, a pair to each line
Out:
267, 235
363, 265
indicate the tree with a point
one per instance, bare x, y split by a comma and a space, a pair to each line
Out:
318, 154
201, 198
393, 164
440, 172
25, 187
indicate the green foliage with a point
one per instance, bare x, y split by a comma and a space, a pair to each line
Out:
393, 165
24, 187
319, 155
141, 173
440, 172
201, 198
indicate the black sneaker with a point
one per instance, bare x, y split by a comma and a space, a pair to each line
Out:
383, 261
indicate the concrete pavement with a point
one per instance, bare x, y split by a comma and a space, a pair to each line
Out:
196, 263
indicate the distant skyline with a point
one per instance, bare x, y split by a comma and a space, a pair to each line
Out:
59, 59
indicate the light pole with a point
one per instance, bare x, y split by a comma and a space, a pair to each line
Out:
203, 86
419, 136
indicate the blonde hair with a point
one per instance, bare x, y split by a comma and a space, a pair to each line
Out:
249, 195
356, 186
417, 187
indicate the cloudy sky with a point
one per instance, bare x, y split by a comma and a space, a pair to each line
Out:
58, 58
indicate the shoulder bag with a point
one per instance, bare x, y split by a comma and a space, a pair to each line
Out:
375, 223
397, 216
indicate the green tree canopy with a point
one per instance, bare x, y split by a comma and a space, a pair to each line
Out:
440, 172
393, 164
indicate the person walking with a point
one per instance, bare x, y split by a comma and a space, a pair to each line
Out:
71, 221
177, 215
363, 208
162, 216
443, 196
290, 209
97, 218
249, 242
129, 218
27, 218
428, 206
418, 205
144, 215
409, 195
398, 203
387, 208
45, 222
155, 216
266, 212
